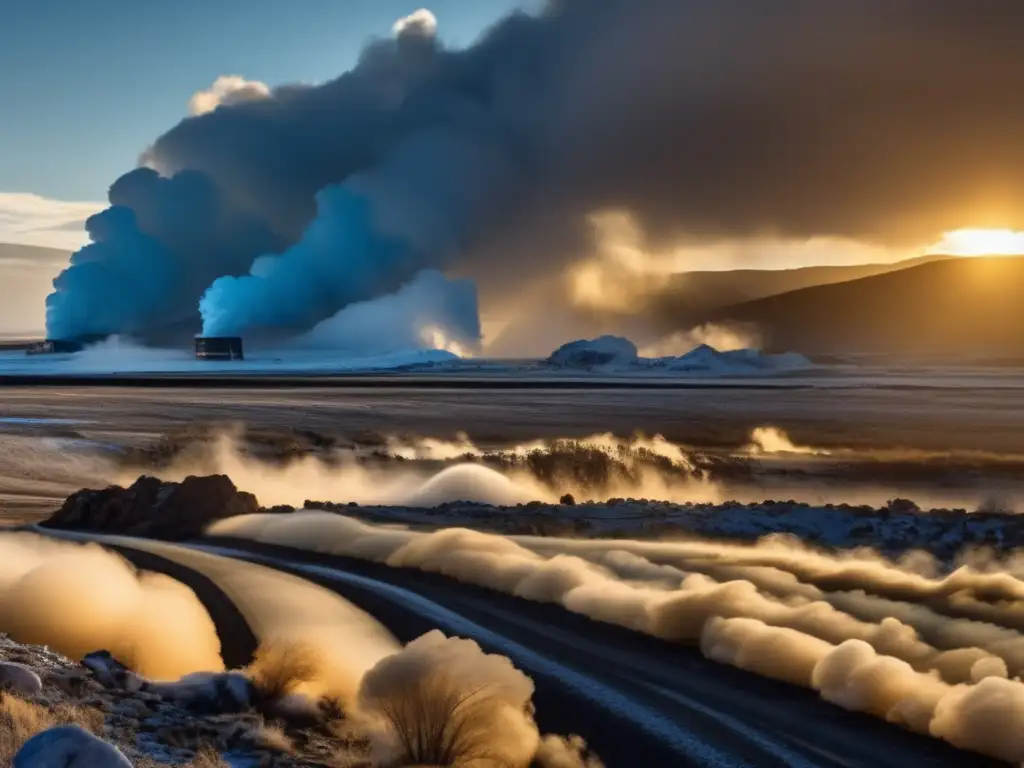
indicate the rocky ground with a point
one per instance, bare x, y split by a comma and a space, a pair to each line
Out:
152, 727
180, 511
43, 463
155, 509
894, 529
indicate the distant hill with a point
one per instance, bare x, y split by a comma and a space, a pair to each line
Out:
960, 306
690, 296
31, 255
26, 277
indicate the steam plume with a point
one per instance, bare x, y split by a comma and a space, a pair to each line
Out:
428, 310
286, 612
280, 210
80, 598
347, 479
775, 609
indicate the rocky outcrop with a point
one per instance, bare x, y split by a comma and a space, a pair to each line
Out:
156, 509
101, 715
69, 746
19, 679
602, 351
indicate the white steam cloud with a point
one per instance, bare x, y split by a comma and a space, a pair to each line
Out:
931, 654
479, 704
767, 440
227, 90
723, 337
80, 598
422, 23
284, 611
428, 312
346, 479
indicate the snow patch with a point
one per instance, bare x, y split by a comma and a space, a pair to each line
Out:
599, 352
615, 354
707, 359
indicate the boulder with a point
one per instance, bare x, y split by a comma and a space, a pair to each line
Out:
19, 679
111, 673
602, 351
156, 509
69, 746
209, 693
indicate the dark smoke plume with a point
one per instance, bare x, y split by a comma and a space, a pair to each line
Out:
874, 120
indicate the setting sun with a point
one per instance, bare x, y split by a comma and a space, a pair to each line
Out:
981, 242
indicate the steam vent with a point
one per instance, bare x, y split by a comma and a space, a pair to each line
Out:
219, 348
54, 347
65, 346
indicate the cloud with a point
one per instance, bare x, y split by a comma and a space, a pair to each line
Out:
29, 219
791, 122
227, 90
421, 23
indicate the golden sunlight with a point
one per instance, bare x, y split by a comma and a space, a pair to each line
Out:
434, 337
980, 242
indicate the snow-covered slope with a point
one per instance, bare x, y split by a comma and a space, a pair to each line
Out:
121, 357
739, 361
615, 354
602, 352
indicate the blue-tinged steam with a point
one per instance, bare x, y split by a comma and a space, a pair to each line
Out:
338, 260
119, 283
429, 311
153, 253
490, 158
370, 235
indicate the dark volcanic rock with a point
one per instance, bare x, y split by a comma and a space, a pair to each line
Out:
150, 507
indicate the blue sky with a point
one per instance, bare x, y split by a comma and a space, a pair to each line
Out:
85, 86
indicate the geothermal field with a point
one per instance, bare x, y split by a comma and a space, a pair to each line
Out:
517, 384
662, 574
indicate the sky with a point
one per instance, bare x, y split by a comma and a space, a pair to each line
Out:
602, 142
85, 87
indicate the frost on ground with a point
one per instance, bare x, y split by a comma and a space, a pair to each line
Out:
150, 727
440, 700
897, 528
615, 354
934, 646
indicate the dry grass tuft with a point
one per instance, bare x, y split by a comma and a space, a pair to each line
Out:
436, 722
272, 738
20, 720
280, 667
206, 757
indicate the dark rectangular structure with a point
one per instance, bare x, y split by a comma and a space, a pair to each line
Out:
219, 348
65, 346
54, 347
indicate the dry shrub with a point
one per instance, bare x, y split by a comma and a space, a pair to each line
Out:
206, 757
271, 738
565, 752
588, 467
279, 667
20, 720
437, 722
